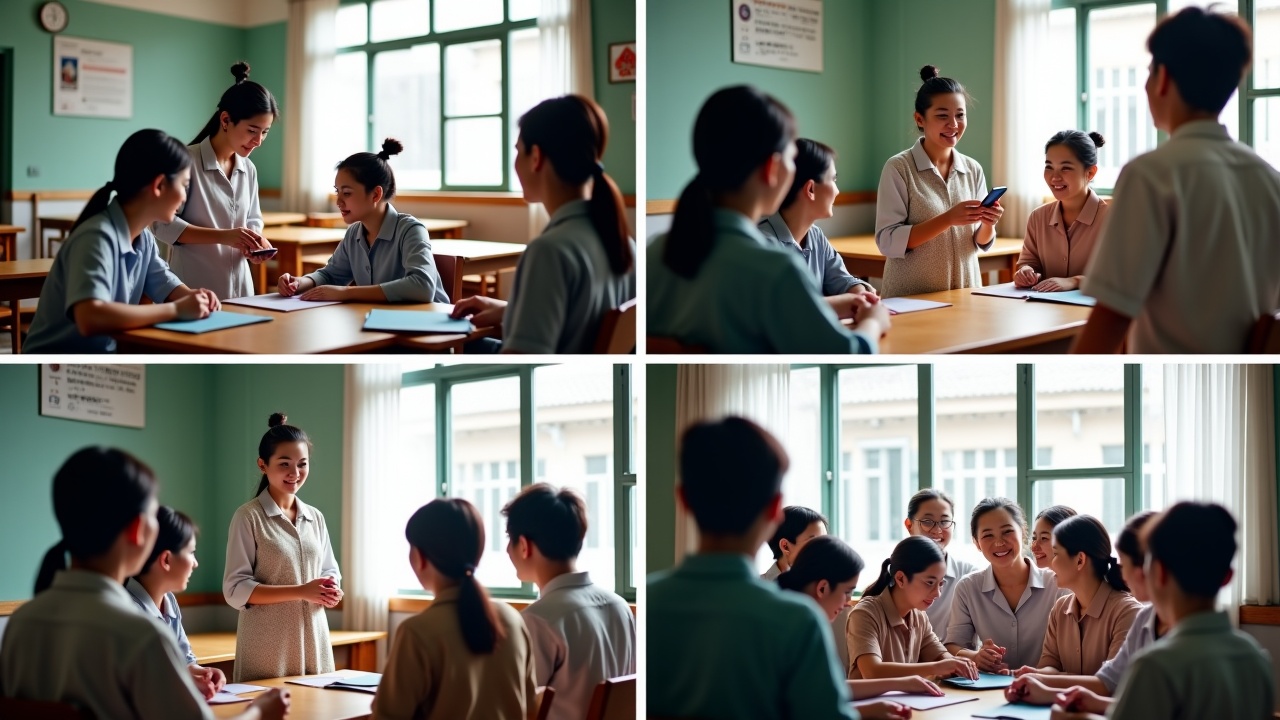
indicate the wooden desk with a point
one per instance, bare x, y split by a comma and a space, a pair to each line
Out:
19, 280
986, 700
293, 240
212, 648
863, 259
984, 324
480, 257
9, 241
437, 228
309, 703
273, 219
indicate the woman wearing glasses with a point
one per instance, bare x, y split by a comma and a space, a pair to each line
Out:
930, 513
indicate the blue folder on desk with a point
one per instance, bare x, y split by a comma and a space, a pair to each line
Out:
216, 321
1067, 297
985, 681
1017, 711
416, 321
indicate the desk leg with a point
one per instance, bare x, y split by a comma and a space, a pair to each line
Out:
289, 259
364, 656
15, 305
10, 244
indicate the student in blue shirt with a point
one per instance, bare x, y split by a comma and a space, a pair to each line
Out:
110, 260
387, 254
167, 571
722, 643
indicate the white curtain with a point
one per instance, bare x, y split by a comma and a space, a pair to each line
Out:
1021, 124
760, 393
309, 67
565, 52
1220, 439
372, 549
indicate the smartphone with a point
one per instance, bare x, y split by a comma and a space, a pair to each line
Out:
269, 252
993, 196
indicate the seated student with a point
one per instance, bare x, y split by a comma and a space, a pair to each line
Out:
1061, 234
110, 259
722, 643
1199, 208
812, 197
580, 633
1088, 626
799, 526
465, 656
930, 513
888, 634
1042, 532
1203, 668
583, 264
698, 271
166, 571
1147, 627
81, 640
387, 254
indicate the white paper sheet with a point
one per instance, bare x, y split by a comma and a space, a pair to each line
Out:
918, 702
899, 305
241, 688
226, 698
279, 303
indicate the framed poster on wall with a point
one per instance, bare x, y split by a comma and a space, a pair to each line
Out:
107, 394
92, 78
778, 33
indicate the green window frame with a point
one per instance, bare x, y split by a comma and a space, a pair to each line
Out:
499, 32
446, 377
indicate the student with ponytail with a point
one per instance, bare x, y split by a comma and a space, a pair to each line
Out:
167, 571
111, 260
81, 640
387, 254
221, 223
583, 264
465, 656
889, 634
713, 279
281, 573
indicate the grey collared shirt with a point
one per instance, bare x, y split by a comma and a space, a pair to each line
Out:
214, 200
581, 635
238, 580
822, 260
979, 607
563, 287
1141, 634
170, 615
399, 261
99, 261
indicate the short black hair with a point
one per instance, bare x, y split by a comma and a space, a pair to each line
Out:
1055, 514
1196, 543
795, 518
554, 520
730, 470
1205, 53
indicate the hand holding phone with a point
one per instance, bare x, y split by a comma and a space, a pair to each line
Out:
993, 196
265, 252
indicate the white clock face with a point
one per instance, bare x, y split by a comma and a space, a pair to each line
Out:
54, 17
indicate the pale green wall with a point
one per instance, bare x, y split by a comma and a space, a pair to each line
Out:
660, 464
614, 21
265, 52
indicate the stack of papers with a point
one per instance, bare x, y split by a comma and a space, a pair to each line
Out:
918, 702
232, 691
342, 680
276, 301
1009, 290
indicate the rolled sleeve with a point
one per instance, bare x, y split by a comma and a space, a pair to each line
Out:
419, 281
836, 278
238, 581
160, 282
328, 563
1112, 670
862, 635
534, 319
253, 220
1130, 254
168, 233
547, 647
337, 271
892, 230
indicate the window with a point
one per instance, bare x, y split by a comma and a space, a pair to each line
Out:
418, 455
448, 78
1114, 98
1078, 406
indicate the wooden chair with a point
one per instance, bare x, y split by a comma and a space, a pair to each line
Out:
315, 261
618, 330
546, 695
614, 699
14, 709
450, 269
671, 346
1265, 339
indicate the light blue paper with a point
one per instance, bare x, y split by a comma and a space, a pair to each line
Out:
219, 320
985, 681
1017, 711
1067, 297
416, 321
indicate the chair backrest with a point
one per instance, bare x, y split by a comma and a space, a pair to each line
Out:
546, 696
14, 709
450, 268
671, 346
1265, 336
618, 330
614, 699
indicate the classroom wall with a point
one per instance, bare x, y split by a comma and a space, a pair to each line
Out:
264, 50
614, 21
660, 464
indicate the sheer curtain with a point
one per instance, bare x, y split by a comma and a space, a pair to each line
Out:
309, 52
1021, 124
759, 393
1220, 435
372, 551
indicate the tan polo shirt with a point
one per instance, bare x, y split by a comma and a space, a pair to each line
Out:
431, 674
1052, 248
1079, 643
875, 628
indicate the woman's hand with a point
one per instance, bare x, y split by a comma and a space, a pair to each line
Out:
323, 293
1026, 277
244, 240
1056, 285
287, 285
956, 667
967, 212
865, 291
483, 311
1029, 689
321, 591
1082, 700
991, 214
990, 658
884, 710
917, 685
208, 680
197, 305
1025, 670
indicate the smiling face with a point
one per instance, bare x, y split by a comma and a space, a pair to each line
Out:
937, 513
944, 122
355, 202
999, 538
1066, 177
923, 589
287, 469
1042, 543
245, 136
1069, 568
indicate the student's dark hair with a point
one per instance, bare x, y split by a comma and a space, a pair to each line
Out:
372, 169
737, 130
1083, 146
145, 155
913, 554
822, 558
176, 530
1055, 514
278, 432
730, 469
97, 492
1129, 541
1086, 534
553, 520
924, 496
813, 159
243, 100
795, 518
1196, 543
935, 84
1204, 52
450, 535
986, 505
572, 132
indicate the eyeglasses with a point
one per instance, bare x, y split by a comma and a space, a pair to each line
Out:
943, 524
